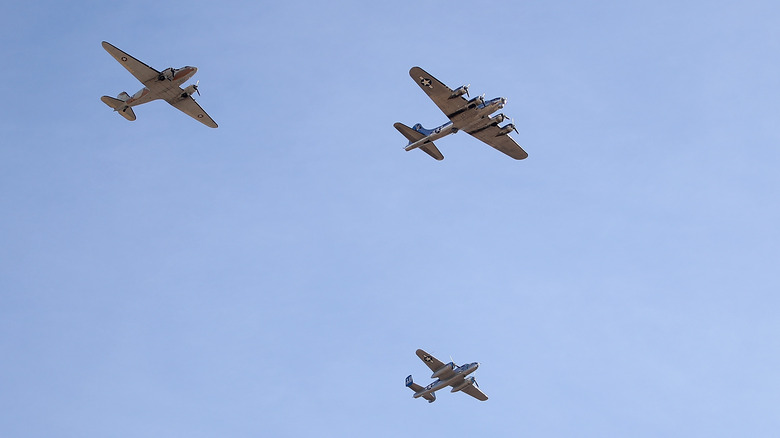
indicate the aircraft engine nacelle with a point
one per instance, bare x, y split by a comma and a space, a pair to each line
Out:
466, 383
479, 100
460, 91
506, 129
123, 96
442, 370
189, 91
498, 119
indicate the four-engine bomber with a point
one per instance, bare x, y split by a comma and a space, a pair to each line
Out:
471, 116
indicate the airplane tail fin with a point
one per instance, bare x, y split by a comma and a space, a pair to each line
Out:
431, 397
119, 106
418, 133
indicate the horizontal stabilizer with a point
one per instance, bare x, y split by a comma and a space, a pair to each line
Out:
413, 135
119, 106
433, 151
431, 397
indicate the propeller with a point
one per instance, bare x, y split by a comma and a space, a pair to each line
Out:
467, 95
512, 122
475, 382
195, 87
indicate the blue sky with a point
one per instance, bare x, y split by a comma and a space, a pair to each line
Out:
273, 277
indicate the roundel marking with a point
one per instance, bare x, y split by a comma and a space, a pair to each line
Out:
124, 58
200, 116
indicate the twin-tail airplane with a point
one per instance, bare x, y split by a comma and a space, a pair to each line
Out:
157, 85
448, 375
471, 116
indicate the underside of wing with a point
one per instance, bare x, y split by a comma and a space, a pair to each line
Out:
475, 392
441, 94
502, 142
141, 71
188, 106
433, 363
441, 370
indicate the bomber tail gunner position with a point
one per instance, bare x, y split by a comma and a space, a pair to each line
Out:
447, 374
471, 116
157, 85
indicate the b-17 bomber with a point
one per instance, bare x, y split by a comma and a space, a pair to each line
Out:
471, 116
447, 374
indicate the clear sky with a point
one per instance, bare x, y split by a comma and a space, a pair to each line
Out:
273, 277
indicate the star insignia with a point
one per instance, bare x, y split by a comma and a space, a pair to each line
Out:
428, 359
425, 82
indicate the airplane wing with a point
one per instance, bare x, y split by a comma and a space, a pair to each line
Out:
141, 71
435, 364
438, 92
503, 143
192, 109
475, 392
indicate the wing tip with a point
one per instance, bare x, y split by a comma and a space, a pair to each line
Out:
415, 70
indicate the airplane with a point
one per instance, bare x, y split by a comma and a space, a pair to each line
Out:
471, 116
157, 85
448, 375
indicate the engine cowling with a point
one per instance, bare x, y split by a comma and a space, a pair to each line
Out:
466, 383
440, 372
506, 129
189, 91
479, 100
460, 91
498, 118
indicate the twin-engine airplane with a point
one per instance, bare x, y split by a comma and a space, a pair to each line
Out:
448, 375
157, 85
472, 116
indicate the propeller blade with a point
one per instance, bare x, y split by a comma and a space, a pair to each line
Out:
196, 87
467, 90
